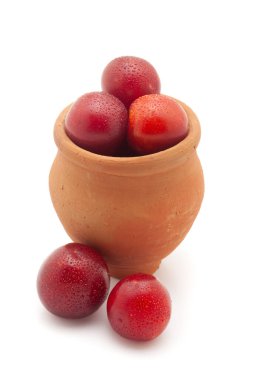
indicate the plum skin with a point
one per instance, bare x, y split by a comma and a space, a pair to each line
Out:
73, 282
130, 77
97, 122
139, 307
156, 122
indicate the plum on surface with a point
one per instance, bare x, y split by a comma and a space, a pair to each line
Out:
139, 307
73, 282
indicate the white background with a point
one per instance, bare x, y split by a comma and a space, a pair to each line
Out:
51, 53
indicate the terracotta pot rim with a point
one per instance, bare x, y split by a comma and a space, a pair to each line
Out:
129, 166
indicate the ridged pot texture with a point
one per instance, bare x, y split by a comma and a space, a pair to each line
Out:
134, 210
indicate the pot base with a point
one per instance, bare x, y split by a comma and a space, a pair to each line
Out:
123, 271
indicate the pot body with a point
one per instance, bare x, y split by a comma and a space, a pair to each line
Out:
135, 212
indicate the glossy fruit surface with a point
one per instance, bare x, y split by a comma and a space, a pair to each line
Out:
156, 122
97, 122
128, 78
73, 281
139, 307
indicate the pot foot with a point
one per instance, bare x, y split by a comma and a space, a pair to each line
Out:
120, 271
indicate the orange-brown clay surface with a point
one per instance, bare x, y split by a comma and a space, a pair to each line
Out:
134, 210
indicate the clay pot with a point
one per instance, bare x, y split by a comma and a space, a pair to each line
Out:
134, 210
